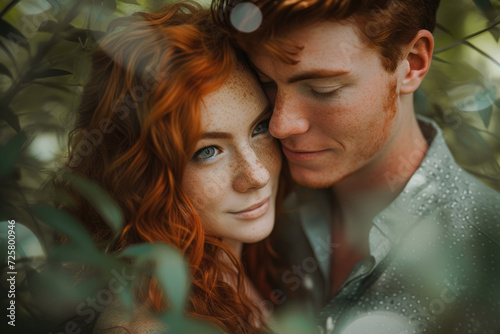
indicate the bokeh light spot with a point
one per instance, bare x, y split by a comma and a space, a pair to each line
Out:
246, 17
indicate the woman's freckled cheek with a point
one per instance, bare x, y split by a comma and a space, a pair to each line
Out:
270, 158
206, 188
192, 187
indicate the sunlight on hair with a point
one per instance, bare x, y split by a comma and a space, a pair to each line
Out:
246, 17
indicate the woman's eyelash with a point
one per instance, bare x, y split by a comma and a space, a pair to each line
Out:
211, 151
261, 127
208, 152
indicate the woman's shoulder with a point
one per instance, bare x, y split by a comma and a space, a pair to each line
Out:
117, 319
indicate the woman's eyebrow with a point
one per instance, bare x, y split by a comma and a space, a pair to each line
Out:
226, 135
216, 135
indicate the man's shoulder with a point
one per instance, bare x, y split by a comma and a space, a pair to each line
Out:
446, 191
473, 205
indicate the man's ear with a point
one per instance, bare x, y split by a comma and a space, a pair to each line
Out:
417, 61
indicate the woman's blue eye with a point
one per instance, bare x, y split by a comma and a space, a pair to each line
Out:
205, 153
262, 127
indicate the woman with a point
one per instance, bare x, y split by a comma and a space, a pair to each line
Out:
185, 150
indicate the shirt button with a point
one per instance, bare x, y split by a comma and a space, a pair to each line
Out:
329, 325
308, 282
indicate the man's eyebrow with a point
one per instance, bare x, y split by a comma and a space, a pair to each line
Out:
308, 75
315, 74
216, 135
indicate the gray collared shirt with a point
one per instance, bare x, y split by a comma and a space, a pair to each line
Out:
434, 262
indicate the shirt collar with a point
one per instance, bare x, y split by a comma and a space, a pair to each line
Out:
416, 200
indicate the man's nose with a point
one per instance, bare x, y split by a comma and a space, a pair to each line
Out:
289, 116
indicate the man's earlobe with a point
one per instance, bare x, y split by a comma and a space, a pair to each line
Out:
418, 59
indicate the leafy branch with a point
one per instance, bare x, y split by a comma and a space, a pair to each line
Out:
464, 39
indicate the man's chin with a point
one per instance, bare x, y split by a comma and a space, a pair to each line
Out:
313, 179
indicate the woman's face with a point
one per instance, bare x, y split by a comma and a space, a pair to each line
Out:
232, 178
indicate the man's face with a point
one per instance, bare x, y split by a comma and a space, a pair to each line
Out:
335, 111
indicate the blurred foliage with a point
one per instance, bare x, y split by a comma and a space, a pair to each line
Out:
45, 48
462, 89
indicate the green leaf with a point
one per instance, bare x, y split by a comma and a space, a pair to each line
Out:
71, 252
60, 86
53, 72
435, 58
177, 323
12, 34
293, 320
484, 5
495, 32
71, 33
497, 103
486, 115
107, 207
67, 225
132, 2
490, 92
484, 106
102, 9
55, 286
4, 47
126, 296
10, 152
484, 54
12, 119
443, 28
171, 270
477, 137
5, 70
8, 7
461, 40
486, 8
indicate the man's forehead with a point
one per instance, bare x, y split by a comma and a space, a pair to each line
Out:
326, 45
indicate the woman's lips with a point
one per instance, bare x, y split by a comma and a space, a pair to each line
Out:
301, 156
254, 211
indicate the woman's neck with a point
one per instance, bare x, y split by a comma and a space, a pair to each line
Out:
235, 246
250, 289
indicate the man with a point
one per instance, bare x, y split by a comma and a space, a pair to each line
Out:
387, 228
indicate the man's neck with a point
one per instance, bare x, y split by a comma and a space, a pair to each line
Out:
387, 174
362, 195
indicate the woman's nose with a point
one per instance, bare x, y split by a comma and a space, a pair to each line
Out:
250, 172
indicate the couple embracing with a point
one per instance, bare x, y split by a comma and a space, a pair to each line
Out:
286, 163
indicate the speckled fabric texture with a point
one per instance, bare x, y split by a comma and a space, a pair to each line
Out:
435, 257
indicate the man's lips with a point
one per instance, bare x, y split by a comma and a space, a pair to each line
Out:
254, 211
299, 155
